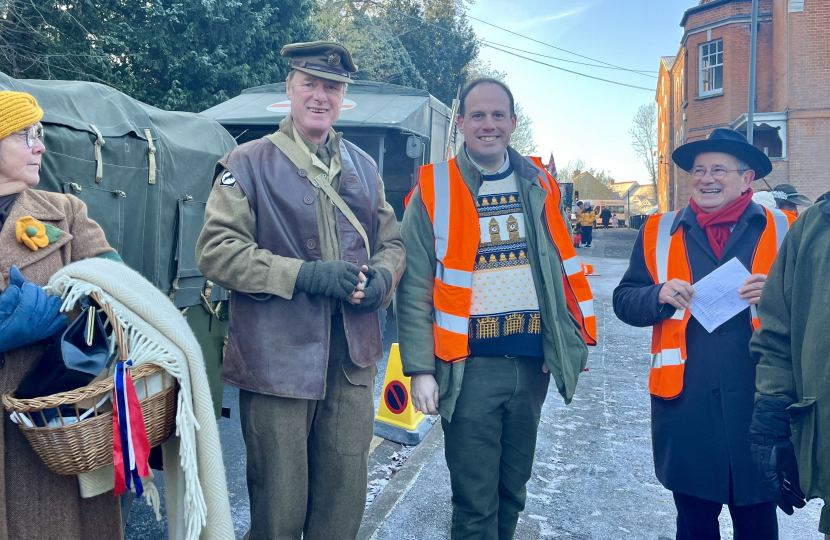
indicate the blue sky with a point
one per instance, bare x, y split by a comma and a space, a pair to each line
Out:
576, 117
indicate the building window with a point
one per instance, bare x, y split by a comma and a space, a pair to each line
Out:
711, 68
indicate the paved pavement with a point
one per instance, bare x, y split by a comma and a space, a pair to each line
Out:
593, 478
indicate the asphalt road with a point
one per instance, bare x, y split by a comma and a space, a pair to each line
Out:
593, 478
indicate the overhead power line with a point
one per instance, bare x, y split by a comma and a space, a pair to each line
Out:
492, 46
643, 73
555, 47
571, 71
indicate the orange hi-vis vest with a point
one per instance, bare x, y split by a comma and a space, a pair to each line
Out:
455, 223
666, 259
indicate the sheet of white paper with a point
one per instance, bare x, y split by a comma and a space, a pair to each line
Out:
716, 296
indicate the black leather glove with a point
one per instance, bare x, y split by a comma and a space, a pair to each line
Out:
337, 279
378, 286
773, 452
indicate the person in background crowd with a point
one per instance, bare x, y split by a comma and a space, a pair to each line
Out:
586, 222
298, 228
764, 198
605, 216
701, 408
792, 349
788, 199
475, 357
614, 221
40, 233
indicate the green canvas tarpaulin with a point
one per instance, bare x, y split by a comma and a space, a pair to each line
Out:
145, 174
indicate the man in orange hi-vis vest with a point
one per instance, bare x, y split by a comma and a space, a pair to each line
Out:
701, 383
493, 303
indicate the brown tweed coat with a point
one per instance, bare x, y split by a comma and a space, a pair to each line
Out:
36, 504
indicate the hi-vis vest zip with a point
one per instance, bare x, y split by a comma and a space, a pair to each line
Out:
455, 223
666, 259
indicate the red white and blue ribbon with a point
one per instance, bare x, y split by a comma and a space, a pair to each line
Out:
130, 448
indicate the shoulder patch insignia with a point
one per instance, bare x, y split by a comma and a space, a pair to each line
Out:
227, 180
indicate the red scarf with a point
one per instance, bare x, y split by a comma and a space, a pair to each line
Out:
718, 225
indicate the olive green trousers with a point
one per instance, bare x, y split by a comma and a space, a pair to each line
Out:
491, 442
307, 459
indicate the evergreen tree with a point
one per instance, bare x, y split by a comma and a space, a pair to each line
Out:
439, 40
174, 54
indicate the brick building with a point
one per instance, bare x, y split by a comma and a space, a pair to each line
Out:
706, 86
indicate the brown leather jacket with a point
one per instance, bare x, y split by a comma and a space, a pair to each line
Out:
279, 346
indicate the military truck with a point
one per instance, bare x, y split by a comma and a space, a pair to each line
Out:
145, 176
402, 128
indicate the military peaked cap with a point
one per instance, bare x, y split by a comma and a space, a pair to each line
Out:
324, 59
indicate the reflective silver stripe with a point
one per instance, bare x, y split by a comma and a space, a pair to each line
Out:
679, 314
753, 311
451, 323
663, 243
572, 266
669, 357
441, 224
587, 308
782, 225
456, 278
656, 360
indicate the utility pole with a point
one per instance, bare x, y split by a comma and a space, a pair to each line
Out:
753, 60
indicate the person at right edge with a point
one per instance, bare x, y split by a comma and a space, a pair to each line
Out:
792, 379
702, 384
490, 220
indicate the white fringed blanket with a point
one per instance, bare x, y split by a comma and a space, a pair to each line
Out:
196, 490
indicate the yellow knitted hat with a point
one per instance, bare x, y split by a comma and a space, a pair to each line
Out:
17, 111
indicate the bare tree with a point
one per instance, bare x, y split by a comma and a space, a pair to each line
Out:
567, 173
522, 138
644, 139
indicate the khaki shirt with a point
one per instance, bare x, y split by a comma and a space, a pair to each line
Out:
228, 243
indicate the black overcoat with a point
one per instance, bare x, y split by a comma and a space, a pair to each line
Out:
700, 438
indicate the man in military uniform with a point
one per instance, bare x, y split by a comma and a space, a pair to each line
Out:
298, 228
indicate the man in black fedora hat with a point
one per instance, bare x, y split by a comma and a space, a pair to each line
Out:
788, 199
702, 383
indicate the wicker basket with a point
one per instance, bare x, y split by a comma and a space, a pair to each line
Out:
86, 445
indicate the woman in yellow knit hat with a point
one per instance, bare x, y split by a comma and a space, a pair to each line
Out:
40, 232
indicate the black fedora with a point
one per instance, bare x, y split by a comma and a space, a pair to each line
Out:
728, 142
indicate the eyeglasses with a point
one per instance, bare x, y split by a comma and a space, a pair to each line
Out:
32, 134
718, 173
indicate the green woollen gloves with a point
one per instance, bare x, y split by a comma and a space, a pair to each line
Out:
377, 287
337, 279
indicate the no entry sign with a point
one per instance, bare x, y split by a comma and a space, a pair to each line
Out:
396, 397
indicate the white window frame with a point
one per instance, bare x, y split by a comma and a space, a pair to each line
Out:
712, 68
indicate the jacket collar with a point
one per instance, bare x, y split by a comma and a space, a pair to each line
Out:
523, 167
687, 216
824, 203
30, 203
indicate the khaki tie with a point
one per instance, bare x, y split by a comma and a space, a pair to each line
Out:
324, 155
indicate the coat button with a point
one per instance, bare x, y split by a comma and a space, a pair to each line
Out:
721, 331
302, 173
308, 199
544, 252
716, 392
311, 243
